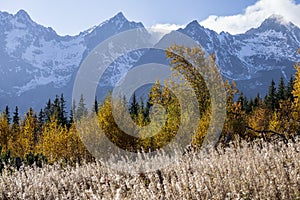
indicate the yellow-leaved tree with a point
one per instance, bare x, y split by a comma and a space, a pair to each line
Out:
29, 135
200, 73
51, 144
235, 117
296, 96
5, 136
286, 120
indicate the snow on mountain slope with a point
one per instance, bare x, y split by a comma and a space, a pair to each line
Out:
254, 58
36, 62
43, 56
34, 57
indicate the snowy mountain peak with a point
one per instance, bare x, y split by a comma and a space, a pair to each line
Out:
193, 27
194, 23
275, 22
278, 19
21, 20
119, 19
3, 15
119, 16
22, 14
22, 17
36, 63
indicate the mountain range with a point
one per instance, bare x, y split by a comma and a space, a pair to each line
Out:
36, 63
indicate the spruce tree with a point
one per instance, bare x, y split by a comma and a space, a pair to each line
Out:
257, 101
289, 89
281, 90
72, 114
243, 101
147, 111
142, 106
7, 114
271, 100
62, 112
48, 111
56, 109
16, 118
71, 119
96, 105
251, 105
41, 118
134, 106
81, 110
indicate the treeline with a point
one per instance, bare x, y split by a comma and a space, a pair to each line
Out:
51, 135
48, 136
275, 95
277, 114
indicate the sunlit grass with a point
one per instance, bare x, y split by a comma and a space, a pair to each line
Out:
246, 171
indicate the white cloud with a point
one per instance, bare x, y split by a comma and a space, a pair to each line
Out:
165, 28
159, 30
253, 16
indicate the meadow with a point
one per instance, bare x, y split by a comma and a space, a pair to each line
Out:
256, 170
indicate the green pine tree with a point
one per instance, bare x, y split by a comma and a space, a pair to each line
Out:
48, 111
271, 99
96, 106
16, 118
41, 118
81, 109
7, 114
63, 120
289, 89
281, 90
134, 107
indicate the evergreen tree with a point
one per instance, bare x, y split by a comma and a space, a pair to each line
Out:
147, 110
16, 118
134, 106
271, 100
243, 101
281, 90
81, 110
96, 105
48, 111
289, 89
56, 109
71, 118
251, 105
257, 101
72, 114
15, 128
142, 106
7, 114
63, 120
41, 118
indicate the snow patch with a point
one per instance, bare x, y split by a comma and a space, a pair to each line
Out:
57, 56
58, 81
14, 38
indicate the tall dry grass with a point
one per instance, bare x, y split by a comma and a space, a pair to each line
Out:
244, 171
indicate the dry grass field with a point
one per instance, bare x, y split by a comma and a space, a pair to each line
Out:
244, 171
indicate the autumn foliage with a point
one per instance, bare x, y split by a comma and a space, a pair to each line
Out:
53, 133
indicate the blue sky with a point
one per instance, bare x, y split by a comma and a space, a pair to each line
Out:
235, 16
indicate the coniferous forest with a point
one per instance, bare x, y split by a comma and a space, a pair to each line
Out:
257, 155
